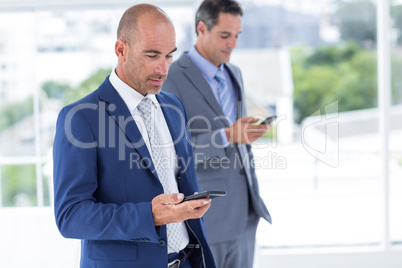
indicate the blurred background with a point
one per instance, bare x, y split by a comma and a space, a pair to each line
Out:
330, 169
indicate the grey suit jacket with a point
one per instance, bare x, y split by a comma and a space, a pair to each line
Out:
218, 168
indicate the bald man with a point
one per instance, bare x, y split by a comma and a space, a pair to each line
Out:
122, 160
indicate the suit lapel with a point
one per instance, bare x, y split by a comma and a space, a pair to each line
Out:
117, 109
195, 76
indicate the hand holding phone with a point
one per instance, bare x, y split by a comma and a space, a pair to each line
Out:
268, 120
205, 194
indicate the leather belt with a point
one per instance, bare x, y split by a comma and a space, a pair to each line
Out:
177, 262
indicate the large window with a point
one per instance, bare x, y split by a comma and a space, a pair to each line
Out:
313, 63
323, 182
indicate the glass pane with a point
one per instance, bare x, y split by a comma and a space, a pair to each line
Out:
396, 185
81, 43
313, 63
17, 84
47, 182
396, 56
396, 126
18, 185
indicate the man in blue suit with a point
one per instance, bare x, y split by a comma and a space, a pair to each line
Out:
123, 163
212, 92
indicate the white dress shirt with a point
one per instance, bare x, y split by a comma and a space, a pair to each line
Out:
132, 98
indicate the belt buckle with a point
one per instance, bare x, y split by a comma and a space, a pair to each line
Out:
174, 264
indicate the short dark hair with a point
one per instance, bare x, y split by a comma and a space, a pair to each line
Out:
209, 11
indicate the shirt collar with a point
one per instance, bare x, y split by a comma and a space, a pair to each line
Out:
130, 96
207, 68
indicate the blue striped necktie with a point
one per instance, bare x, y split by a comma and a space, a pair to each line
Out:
227, 105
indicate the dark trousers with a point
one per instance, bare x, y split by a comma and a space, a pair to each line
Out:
239, 252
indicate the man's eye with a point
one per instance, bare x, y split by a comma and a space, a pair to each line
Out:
151, 56
169, 56
224, 36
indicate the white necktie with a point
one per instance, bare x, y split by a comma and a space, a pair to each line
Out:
174, 236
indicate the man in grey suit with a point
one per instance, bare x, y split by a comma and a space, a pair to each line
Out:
212, 92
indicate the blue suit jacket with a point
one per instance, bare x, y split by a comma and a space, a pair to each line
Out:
104, 182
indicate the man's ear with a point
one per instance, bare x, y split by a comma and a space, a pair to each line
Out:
120, 49
201, 28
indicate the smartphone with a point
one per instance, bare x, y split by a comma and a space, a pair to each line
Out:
268, 120
211, 194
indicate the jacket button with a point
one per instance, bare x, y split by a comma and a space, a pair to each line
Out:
162, 243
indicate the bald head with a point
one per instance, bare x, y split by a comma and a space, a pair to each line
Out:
146, 41
133, 16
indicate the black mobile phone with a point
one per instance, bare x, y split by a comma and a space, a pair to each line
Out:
268, 120
211, 194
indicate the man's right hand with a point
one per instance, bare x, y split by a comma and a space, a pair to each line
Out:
167, 208
244, 131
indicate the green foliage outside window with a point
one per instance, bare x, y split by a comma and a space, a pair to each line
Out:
55, 90
69, 94
345, 74
14, 112
87, 86
18, 185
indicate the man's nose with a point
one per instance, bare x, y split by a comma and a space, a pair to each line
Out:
232, 42
162, 67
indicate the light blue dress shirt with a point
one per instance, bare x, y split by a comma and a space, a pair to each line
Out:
208, 71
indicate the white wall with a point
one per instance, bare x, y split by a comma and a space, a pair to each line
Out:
29, 238
391, 259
